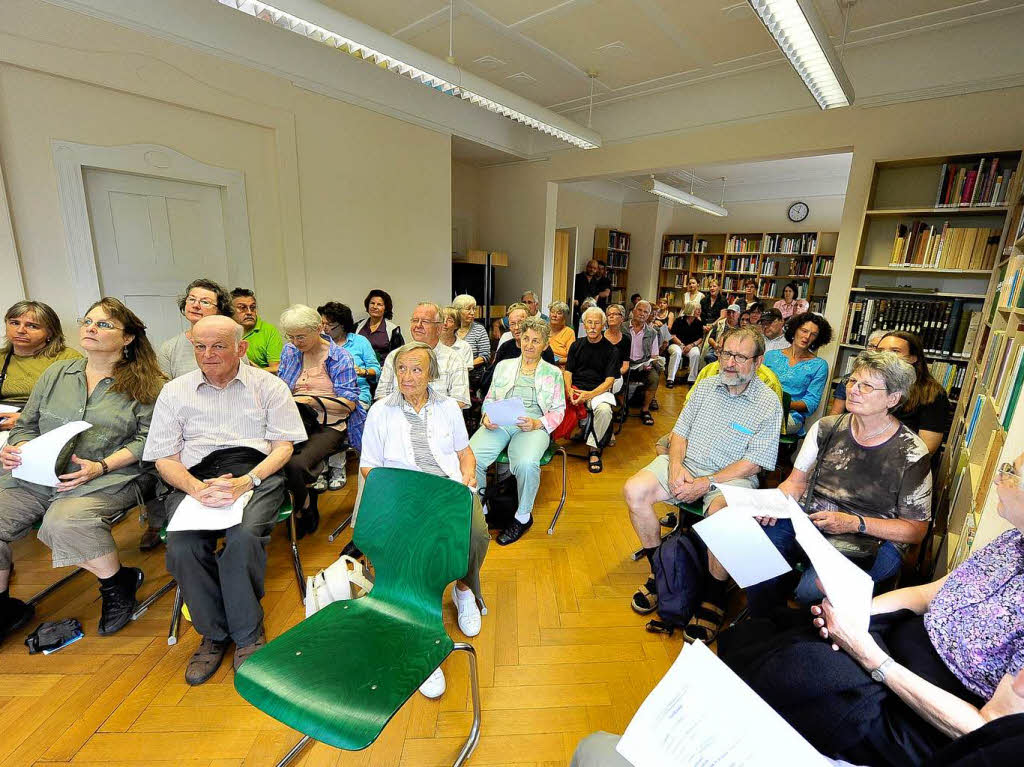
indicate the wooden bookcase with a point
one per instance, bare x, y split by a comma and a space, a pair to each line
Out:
903, 193
772, 259
611, 247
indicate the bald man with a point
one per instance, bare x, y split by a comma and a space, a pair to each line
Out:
217, 433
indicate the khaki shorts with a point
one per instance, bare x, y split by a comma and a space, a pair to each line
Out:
659, 468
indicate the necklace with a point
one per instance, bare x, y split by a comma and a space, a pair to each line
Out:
872, 435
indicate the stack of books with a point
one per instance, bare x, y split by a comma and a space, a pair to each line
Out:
931, 246
946, 329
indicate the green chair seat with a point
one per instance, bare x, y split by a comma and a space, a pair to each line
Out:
545, 459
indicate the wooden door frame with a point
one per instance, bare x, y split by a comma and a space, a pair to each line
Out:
70, 161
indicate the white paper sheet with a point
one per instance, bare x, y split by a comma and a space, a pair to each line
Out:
736, 539
505, 412
39, 455
192, 515
701, 714
761, 503
8, 409
847, 586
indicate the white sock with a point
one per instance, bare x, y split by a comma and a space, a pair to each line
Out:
522, 517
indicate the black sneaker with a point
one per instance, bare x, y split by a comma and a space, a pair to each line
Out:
514, 531
14, 615
670, 384
119, 601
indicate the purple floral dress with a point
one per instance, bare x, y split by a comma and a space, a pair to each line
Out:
976, 621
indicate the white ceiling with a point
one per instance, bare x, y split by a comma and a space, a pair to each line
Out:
543, 49
793, 178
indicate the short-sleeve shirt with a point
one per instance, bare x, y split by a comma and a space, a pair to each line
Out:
623, 346
364, 356
592, 363
721, 428
888, 481
265, 344
453, 382
23, 372
688, 332
194, 418
805, 381
976, 621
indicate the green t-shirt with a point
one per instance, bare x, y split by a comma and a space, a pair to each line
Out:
23, 372
265, 344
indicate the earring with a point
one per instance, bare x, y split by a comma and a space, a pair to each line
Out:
125, 350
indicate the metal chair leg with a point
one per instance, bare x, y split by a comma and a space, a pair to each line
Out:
53, 587
299, 575
474, 733
337, 531
172, 632
296, 749
145, 604
561, 503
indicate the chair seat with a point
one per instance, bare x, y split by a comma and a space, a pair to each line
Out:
341, 674
545, 459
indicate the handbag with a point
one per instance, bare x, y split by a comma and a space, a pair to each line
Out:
335, 583
570, 421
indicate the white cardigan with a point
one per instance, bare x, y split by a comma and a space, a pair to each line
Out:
387, 439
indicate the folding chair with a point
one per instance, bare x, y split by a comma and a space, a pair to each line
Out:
342, 674
545, 459
284, 514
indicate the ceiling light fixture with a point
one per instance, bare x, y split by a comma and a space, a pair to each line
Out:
685, 198
455, 81
803, 38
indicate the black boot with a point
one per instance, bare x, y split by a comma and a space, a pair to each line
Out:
13, 615
118, 593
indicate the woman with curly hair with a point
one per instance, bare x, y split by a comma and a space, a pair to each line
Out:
801, 371
202, 298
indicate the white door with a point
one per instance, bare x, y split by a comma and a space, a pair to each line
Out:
152, 237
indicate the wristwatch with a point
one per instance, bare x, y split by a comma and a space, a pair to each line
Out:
878, 674
255, 479
861, 527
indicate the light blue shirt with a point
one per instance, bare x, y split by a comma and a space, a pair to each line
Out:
805, 381
362, 352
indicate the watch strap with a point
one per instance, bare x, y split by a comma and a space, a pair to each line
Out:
861, 527
878, 674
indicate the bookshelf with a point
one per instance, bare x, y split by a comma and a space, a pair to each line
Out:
611, 247
937, 256
772, 259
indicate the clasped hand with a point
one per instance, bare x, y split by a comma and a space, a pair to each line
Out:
686, 488
221, 491
577, 397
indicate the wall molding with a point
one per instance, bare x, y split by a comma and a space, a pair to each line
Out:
70, 160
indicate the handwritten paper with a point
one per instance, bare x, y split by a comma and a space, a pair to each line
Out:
39, 455
738, 542
701, 714
505, 412
193, 515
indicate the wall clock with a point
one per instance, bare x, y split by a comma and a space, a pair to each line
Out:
798, 211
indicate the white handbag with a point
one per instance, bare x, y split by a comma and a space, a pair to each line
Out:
336, 582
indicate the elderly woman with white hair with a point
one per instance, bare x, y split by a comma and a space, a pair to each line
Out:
471, 331
590, 372
863, 477
416, 428
312, 364
562, 335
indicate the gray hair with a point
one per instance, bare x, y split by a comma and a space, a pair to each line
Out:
594, 310
620, 307
450, 311
691, 309
431, 304
517, 305
587, 303
434, 371
463, 301
529, 293
538, 325
876, 336
753, 332
650, 307
559, 307
898, 374
299, 317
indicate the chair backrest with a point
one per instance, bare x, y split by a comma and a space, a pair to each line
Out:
415, 529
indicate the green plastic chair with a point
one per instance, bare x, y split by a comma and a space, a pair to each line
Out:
341, 675
284, 514
545, 459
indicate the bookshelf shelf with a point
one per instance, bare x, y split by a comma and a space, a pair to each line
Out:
896, 291
920, 270
611, 247
996, 210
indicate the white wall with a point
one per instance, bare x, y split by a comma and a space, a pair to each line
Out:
340, 199
826, 213
587, 212
466, 204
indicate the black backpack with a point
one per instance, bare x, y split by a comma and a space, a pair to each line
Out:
679, 573
502, 498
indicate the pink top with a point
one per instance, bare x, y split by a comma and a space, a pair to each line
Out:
316, 380
798, 306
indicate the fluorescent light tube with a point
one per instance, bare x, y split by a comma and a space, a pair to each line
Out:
802, 37
542, 119
683, 198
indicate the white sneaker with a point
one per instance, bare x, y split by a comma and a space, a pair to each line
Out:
469, 613
434, 687
321, 483
338, 478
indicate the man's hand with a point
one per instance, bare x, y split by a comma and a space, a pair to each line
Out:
88, 470
834, 522
223, 491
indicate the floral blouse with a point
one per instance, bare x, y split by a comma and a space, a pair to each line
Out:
976, 621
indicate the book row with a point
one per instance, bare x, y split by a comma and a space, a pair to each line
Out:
683, 245
945, 327
972, 185
770, 268
618, 240
744, 264
618, 260
743, 245
1011, 289
944, 247
675, 262
804, 244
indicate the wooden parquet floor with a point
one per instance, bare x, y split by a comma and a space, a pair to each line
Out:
560, 653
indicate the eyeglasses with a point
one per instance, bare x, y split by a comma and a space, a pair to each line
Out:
417, 321
203, 302
88, 322
863, 387
1007, 475
742, 359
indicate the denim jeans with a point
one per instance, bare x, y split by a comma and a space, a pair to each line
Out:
763, 597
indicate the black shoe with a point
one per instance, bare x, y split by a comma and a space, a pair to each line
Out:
13, 616
514, 532
670, 384
308, 520
150, 539
654, 404
119, 600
